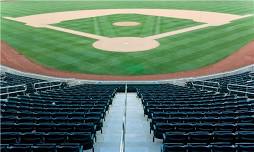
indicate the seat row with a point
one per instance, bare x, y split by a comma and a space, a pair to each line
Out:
58, 120
49, 127
202, 114
41, 148
83, 138
160, 128
213, 147
201, 109
55, 109
197, 105
213, 120
207, 137
51, 114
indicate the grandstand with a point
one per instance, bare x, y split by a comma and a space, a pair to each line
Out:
127, 76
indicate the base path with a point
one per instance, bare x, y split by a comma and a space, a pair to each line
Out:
11, 58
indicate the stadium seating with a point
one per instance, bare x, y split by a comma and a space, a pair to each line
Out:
58, 120
190, 120
186, 119
8, 79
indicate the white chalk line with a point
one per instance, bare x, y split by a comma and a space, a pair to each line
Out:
171, 33
84, 34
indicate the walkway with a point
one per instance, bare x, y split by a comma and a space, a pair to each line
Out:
138, 138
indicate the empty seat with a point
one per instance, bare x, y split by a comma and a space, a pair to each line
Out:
245, 147
225, 127
185, 127
199, 147
85, 139
44, 148
205, 127
245, 126
9, 137
175, 137
246, 136
223, 136
45, 127
69, 148
31, 138
223, 147
200, 137
174, 147
19, 148
25, 127
55, 137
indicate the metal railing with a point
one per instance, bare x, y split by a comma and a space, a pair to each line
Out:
159, 81
240, 89
48, 85
206, 84
13, 89
122, 144
251, 75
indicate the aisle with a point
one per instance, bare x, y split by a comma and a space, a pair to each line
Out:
109, 140
138, 138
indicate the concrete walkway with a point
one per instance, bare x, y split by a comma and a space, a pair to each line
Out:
138, 138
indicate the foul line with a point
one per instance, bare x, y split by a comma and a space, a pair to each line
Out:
88, 35
162, 35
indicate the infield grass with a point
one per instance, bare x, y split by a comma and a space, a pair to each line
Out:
149, 25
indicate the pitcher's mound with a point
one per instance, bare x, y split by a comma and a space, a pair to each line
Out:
126, 44
126, 23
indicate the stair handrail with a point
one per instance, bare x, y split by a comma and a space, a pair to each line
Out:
13, 86
50, 86
251, 75
122, 144
205, 83
246, 90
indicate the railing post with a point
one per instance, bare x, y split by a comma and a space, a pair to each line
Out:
122, 144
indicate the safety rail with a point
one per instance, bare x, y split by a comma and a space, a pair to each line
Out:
47, 85
122, 144
13, 89
206, 84
245, 89
251, 75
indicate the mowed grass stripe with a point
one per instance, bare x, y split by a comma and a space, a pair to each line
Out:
211, 33
231, 41
147, 27
35, 42
204, 46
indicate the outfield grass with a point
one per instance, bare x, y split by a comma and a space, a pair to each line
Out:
149, 25
177, 53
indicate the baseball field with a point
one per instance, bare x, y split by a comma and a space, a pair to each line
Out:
127, 38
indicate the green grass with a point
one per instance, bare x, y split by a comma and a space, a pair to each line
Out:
149, 25
181, 52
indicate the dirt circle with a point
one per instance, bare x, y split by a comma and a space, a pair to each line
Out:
126, 23
126, 44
